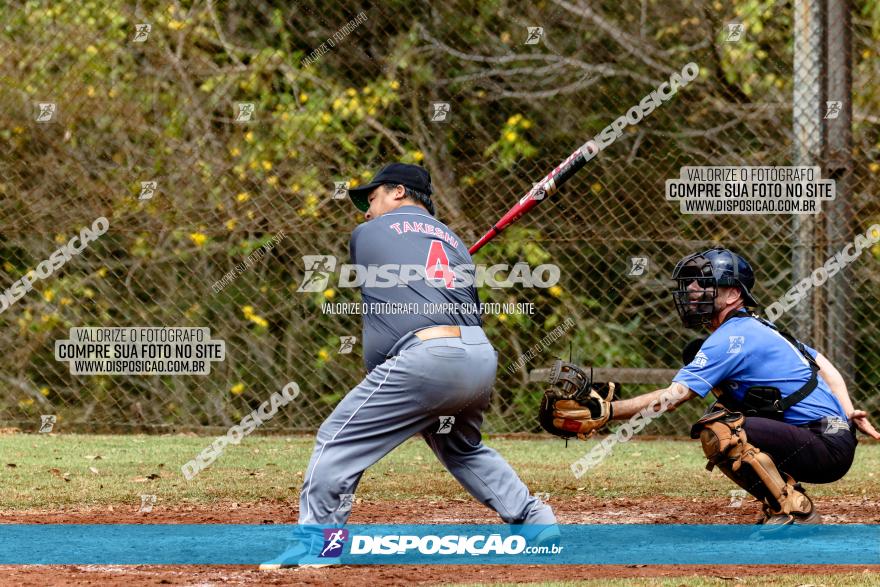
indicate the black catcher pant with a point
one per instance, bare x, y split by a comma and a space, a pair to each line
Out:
818, 452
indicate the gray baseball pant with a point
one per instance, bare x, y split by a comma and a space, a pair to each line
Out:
408, 394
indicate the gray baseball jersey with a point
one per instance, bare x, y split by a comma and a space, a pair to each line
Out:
413, 246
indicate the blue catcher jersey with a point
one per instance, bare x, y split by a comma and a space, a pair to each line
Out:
743, 352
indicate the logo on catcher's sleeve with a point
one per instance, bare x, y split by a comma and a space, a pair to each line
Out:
334, 540
736, 344
700, 360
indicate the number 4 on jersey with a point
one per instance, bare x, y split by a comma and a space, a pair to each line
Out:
437, 265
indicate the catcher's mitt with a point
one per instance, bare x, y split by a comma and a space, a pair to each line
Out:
572, 405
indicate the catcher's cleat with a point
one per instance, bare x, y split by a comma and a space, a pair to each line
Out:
810, 516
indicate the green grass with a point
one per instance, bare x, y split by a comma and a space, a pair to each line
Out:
871, 577
54, 470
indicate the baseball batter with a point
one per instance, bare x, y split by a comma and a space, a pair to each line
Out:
783, 414
429, 373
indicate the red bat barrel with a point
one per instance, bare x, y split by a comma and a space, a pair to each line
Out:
546, 187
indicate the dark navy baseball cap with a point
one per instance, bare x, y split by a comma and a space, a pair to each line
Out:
414, 177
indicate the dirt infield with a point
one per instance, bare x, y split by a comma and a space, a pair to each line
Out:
585, 510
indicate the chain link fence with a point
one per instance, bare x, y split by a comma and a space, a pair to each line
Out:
213, 136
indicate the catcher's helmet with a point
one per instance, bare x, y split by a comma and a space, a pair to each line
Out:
717, 267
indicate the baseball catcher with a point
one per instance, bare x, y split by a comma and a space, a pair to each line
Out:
782, 414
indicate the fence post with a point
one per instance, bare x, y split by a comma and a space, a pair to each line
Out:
807, 111
839, 223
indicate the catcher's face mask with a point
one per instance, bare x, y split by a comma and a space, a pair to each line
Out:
696, 290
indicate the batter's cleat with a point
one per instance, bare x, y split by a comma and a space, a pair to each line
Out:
297, 556
549, 535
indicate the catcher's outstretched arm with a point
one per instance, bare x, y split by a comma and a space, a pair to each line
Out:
667, 399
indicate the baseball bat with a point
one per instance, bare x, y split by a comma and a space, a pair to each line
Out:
546, 187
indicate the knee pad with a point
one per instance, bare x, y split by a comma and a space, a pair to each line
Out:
726, 445
721, 436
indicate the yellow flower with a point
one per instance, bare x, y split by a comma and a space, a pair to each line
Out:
49, 294
874, 167
513, 120
237, 389
273, 181
267, 165
353, 183
259, 321
555, 291
102, 272
395, 85
323, 354
92, 50
230, 224
248, 311
264, 289
502, 317
8, 266
243, 197
510, 135
26, 402
596, 187
866, 54
59, 238
235, 151
176, 25
90, 91
249, 136
303, 97
337, 104
418, 156
326, 118
250, 214
329, 294
89, 292
66, 301
351, 92
44, 391
526, 124
198, 238
875, 233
